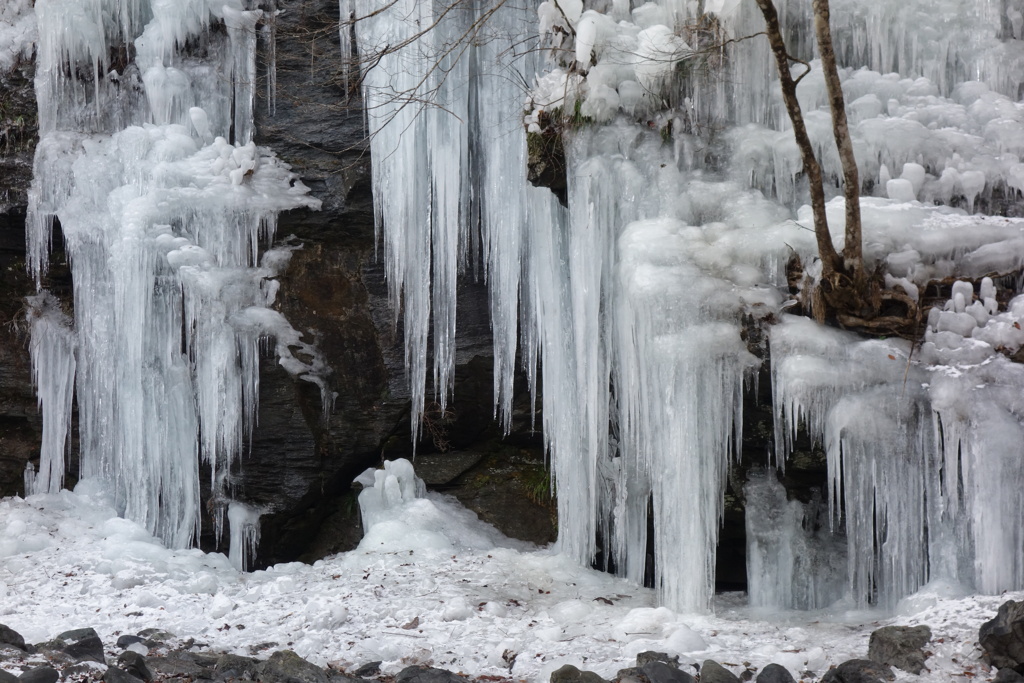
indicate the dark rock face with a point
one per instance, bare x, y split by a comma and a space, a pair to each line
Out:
900, 646
1002, 638
301, 465
20, 427
859, 671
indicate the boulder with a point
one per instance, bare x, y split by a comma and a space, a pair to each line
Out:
116, 675
368, 669
652, 656
1002, 638
775, 673
428, 674
183, 665
236, 666
124, 641
7, 677
40, 674
284, 666
713, 672
570, 674
660, 672
1008, 676
8, 636
859, 671
135, 664
81, 644
900, 646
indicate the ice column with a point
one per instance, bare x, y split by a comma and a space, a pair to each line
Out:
53, 372
164, 220
244, 529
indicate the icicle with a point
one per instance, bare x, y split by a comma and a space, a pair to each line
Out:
53, 373
269, 35
349, 60
244, 532
242, 32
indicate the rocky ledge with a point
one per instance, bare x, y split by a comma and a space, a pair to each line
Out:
156, 656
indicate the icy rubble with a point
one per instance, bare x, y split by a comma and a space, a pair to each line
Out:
684, 206
168, 212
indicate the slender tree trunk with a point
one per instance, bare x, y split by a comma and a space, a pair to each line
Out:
852, 250
826, 250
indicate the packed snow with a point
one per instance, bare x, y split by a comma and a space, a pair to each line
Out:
429, 583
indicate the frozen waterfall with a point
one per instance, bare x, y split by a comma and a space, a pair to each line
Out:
166, 209
630, 308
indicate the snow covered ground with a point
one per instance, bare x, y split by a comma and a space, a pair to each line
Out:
429, 584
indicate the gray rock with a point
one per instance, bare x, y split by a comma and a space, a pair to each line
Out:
900, 646
570, 674
135, 664
427, 674
775, 673
713, 672
236, 666
652, 656
116, 675
82, 645
126, 640
660, 672
8, 636
7, 677
859, 671
1008, 676
40, 674
630, 675
284, 666
182, 664
369, 669
1002, 638
154, 637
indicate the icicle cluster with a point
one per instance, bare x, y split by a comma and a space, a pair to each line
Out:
626, 305
163, 220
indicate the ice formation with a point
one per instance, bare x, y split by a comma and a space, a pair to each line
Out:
685, 198
167, 208
17, 32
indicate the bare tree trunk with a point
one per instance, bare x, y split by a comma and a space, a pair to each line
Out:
852, 251
826, 250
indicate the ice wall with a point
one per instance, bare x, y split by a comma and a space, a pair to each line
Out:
684, 205
167, 210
